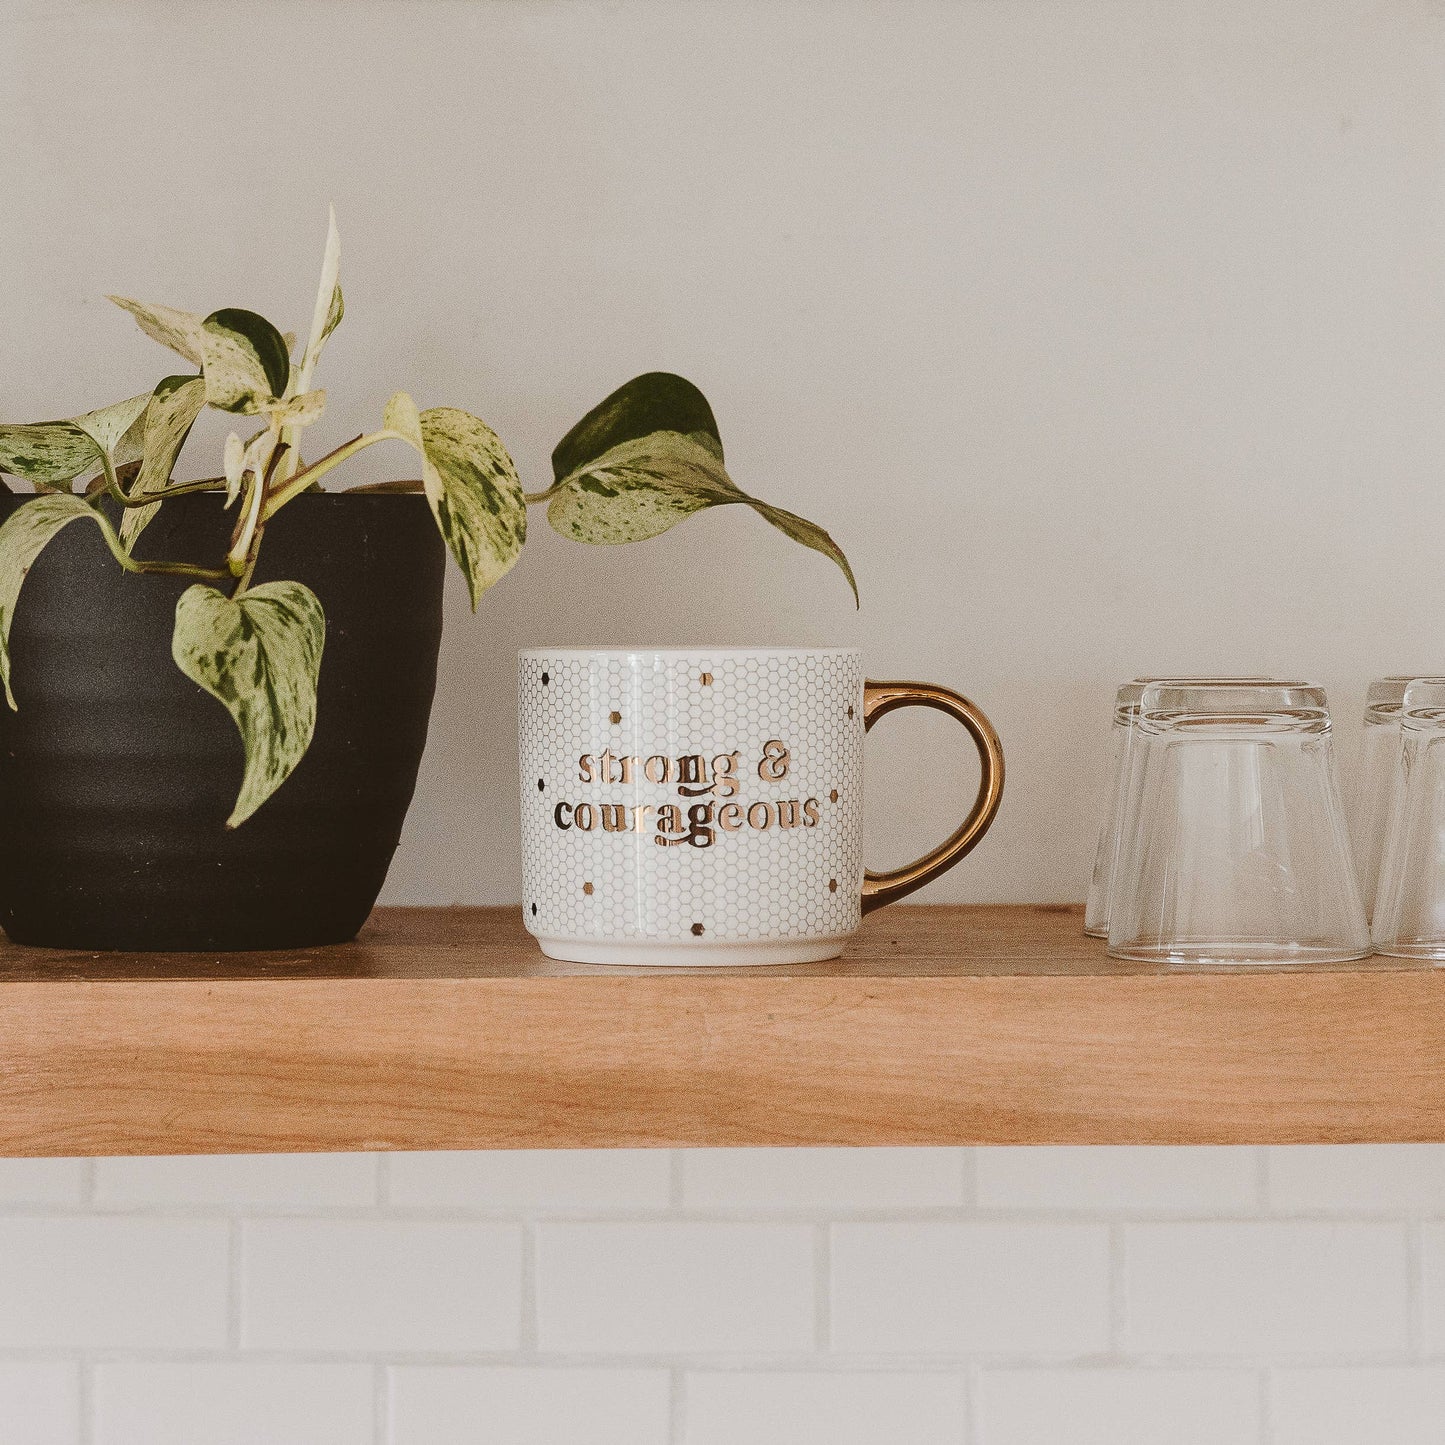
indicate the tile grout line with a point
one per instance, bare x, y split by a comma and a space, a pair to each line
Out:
823, 1289
527, 1326
677, 1405
1118, 1321
1414, 1289
234, 1275
676, 1184
381, 1402
85, 1401
89, 1183
968, 1179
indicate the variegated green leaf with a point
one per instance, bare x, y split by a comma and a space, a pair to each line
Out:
259, 655
22, 539
298, 411
175, 405
48, 453
472, 487
180, 330
55, 453
656, 401
642, 487
244, 361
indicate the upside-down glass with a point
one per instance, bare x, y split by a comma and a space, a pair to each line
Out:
1374, 789
1410, 902
1123, 779
1235, 849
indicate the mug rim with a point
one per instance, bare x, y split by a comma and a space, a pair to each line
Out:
626, 653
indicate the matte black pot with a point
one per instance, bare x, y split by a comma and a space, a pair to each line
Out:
117, 773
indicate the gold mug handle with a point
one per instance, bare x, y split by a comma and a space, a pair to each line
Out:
881, 698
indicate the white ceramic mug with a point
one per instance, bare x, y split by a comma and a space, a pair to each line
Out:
706, 806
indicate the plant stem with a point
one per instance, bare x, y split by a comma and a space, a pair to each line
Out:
532, 498
176, 569
112, 482
131, 564
245, 579
294, 486
146, 499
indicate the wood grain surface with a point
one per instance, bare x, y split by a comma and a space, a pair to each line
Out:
446, 1029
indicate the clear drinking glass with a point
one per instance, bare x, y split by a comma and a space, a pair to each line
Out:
1123, 781
1410, 901
1234, 847
1374, 788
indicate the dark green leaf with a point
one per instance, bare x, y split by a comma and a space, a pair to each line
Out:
657, 401
244, 360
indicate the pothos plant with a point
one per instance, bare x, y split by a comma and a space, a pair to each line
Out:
644, 459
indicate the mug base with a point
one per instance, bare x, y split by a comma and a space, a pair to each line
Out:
671, 953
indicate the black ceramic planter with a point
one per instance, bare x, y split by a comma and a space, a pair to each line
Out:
117, 773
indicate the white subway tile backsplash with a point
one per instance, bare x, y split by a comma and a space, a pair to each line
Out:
822, 1179
1374, 1178
1117, 1407
919, 1295
40, 1403
82, 1281
390, 1285
296, 1180
463, 1405
977, 1287
233, 1404
1127, 1177
1380, 1406
665, 1287
533, 1179
1251, 1288
865, 1407
41, 1181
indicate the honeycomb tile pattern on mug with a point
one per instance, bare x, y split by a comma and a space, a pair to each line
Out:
785, 861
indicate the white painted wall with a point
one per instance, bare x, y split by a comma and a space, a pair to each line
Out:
1105, 334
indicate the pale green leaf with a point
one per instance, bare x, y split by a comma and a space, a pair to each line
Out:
471, 485
642, 487
174, 407
244, 361
253, 457
259, 655
326, 314
22, 539
233, 462
55, 453
111, 426
179, 330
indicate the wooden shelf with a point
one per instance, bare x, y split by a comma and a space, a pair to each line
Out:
446, 1029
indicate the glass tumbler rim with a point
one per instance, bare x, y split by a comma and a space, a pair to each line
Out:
1130, 694
1385, 696
1423, 705
1271, 707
